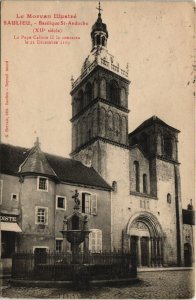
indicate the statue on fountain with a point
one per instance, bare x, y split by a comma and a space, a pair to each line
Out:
76, 199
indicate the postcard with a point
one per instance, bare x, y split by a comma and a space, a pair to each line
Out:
97, 149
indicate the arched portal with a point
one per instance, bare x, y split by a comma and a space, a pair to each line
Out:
146, 239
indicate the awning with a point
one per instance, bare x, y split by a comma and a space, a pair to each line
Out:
8, 226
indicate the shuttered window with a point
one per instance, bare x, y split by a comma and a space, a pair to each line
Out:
95, 240
89, 203
94, 204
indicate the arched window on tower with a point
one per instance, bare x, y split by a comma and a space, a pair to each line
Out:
144, 142
80, 100
103, 88
114, 92
110, 124
102, 122
103, 40
90, 127
123, 97
94, 125
88, 93
117, 127
145, 189
98, 40
167, 146
95, 89
124, 130
83, 131
137, 176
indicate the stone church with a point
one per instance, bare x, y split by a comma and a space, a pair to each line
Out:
128, 183
141, 166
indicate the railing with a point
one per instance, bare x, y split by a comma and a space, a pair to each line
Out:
84, 74
102, 62
58, 266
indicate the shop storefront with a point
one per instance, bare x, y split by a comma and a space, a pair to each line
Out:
9, 232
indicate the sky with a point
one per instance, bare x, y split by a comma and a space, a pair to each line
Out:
154, 38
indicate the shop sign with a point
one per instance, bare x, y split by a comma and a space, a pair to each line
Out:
8, 218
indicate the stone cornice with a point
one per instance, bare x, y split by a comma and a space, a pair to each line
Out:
98, 138
96, 100
162, 157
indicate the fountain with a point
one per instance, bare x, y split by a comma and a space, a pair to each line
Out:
75, 230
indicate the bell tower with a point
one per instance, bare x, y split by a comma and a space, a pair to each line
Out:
99, 105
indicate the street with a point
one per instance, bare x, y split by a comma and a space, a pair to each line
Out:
152, 285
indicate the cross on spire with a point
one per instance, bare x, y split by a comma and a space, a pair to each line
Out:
99, 9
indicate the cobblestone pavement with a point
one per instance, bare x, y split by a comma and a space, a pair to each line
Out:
152, 285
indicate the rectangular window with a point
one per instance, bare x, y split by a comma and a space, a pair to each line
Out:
86, 203
41, 215
59, 245
61, 202
89, 203
95, 240
42, 184
14, 197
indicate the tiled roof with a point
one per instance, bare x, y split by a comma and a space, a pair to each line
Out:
67, 170
36, 162
188, 216
151, 121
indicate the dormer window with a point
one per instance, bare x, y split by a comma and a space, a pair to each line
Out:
42, 184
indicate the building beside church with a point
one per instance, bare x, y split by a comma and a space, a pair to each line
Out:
128, 183
189, 235
36, 193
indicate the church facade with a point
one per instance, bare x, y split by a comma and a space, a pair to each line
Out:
142, 167
128, 183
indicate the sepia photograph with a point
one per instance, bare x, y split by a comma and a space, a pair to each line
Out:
97, 166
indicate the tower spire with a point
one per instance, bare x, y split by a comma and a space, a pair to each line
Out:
99, 33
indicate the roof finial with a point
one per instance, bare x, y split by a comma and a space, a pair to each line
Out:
72, 80
99, 9
37, 143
